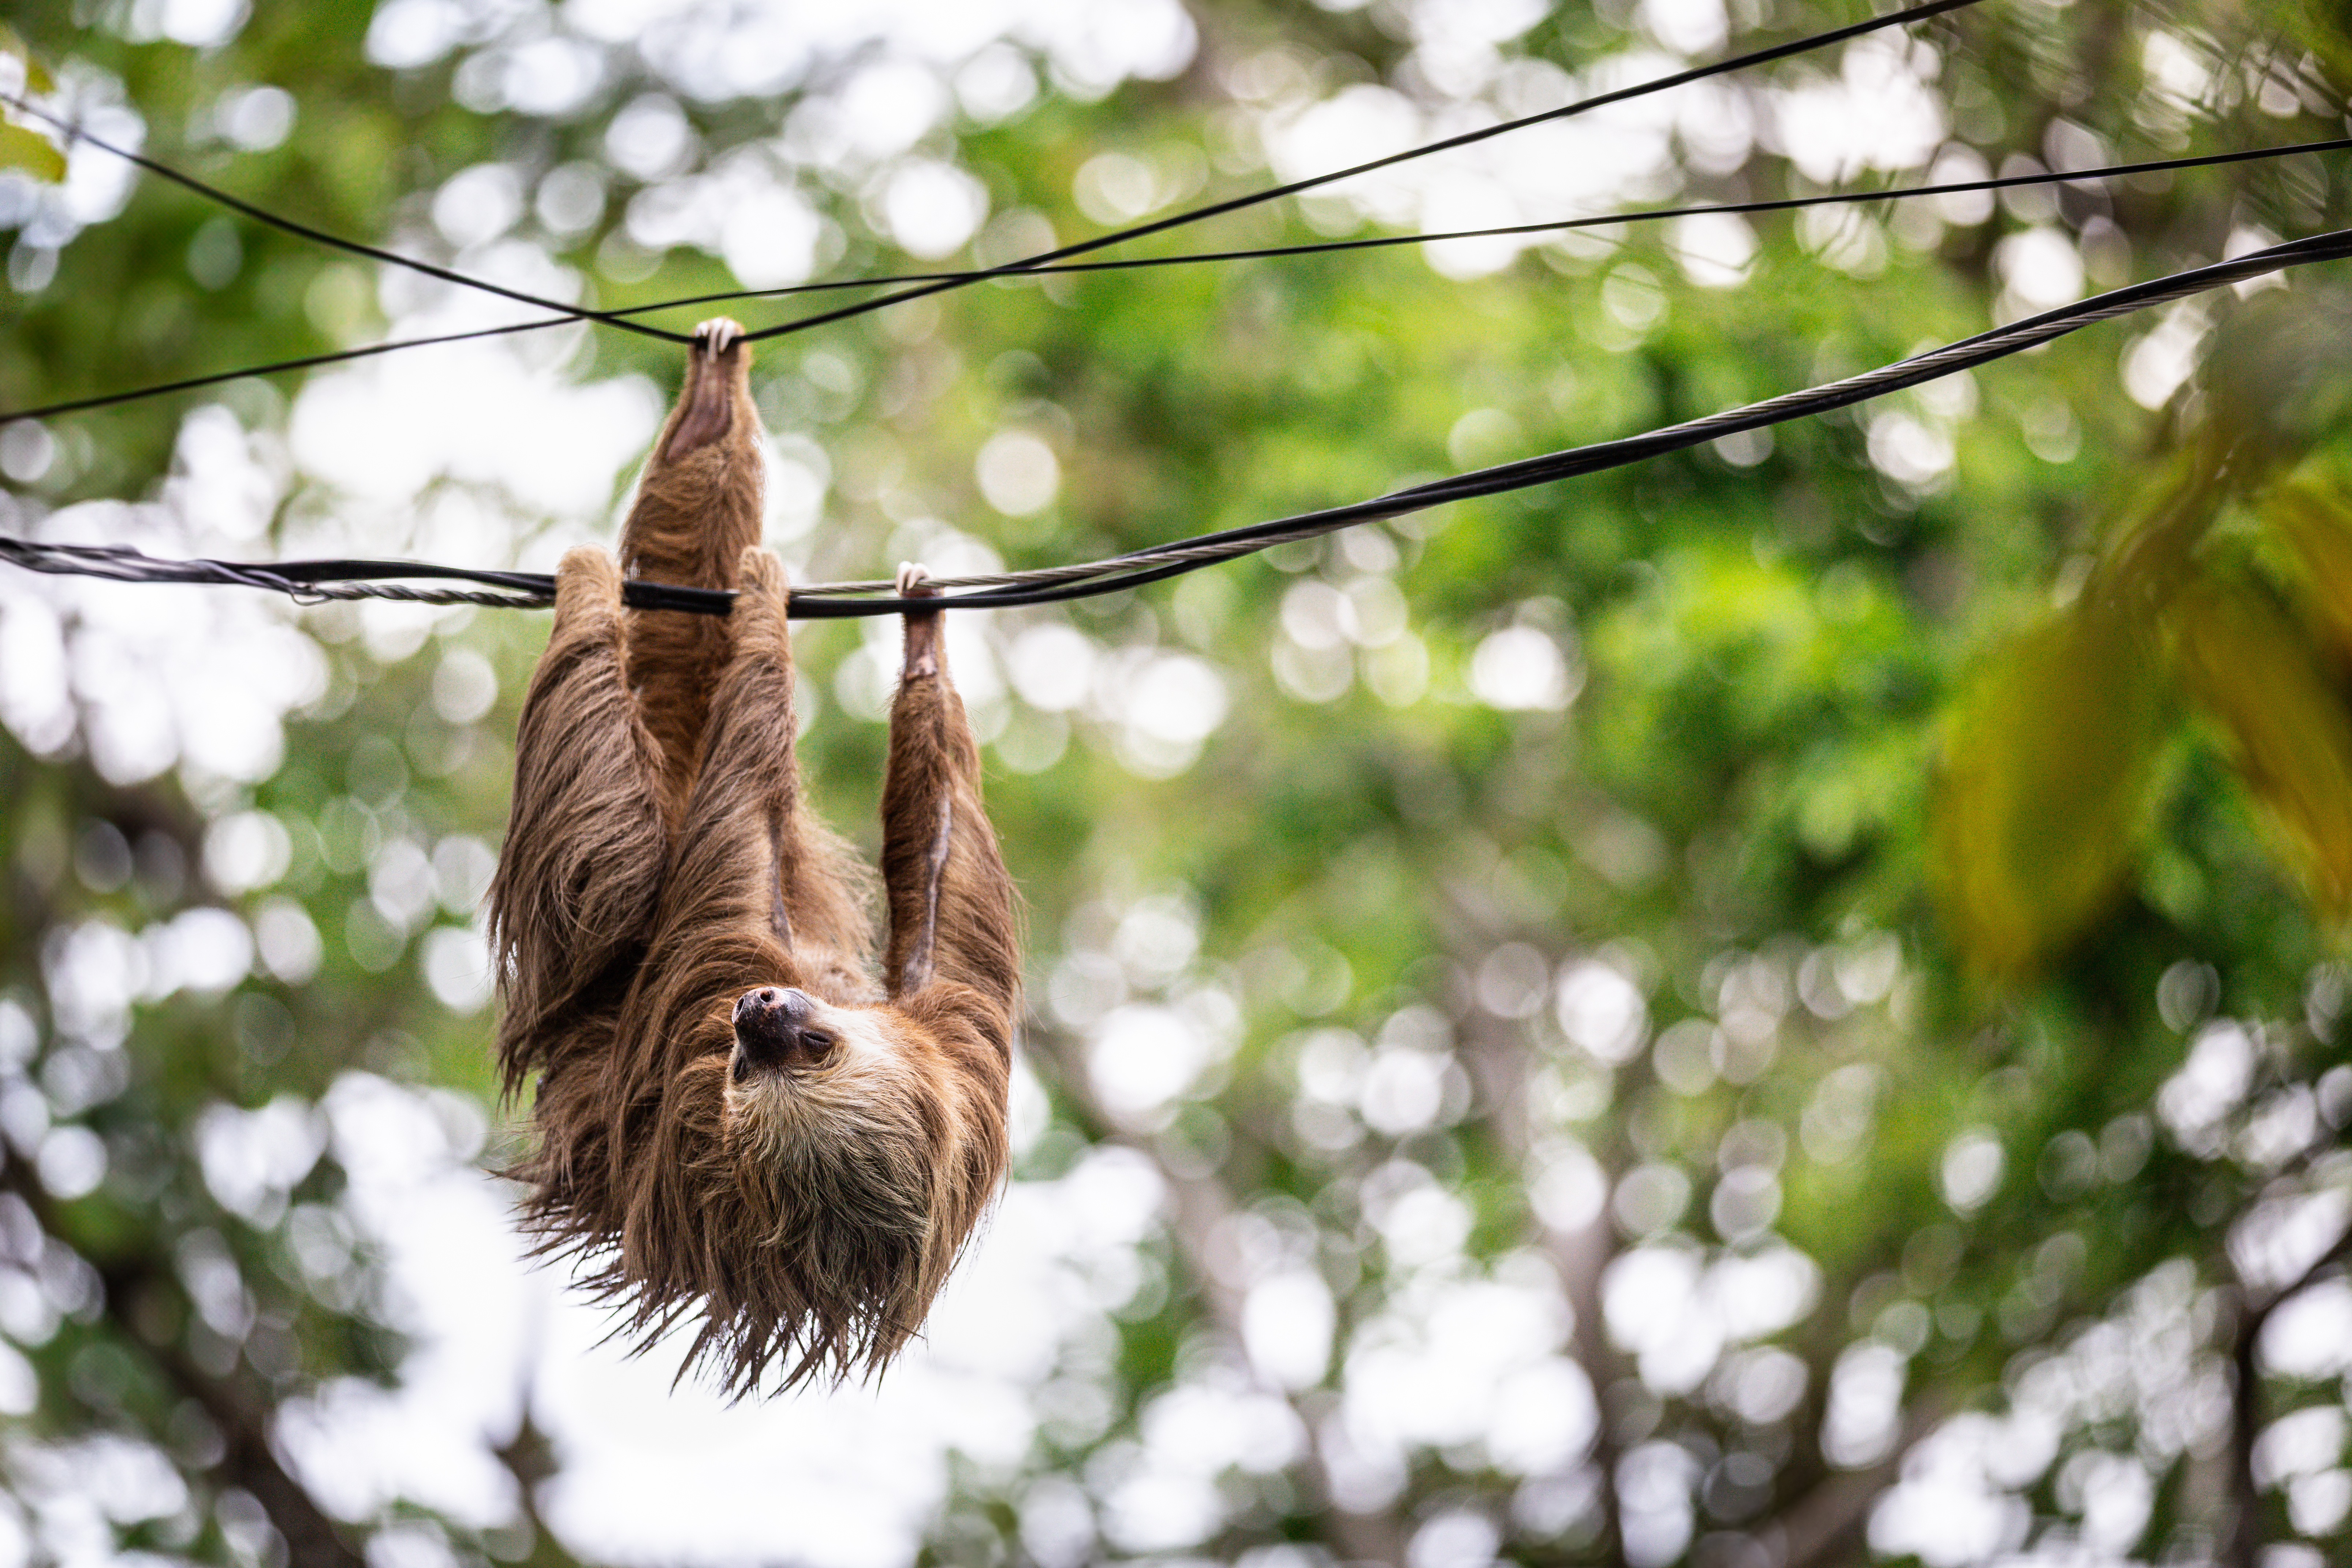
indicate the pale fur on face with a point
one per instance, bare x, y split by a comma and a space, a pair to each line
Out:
851, 1137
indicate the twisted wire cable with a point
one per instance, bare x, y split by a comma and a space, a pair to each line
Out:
312, 580
74, 131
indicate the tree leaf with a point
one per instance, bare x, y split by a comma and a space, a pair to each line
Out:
2050, 753
2284, 724
2319, 26
36, 154
37, 75
2316, 527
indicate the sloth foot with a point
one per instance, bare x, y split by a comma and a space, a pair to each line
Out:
587, 584
717, 335
922, 656
707, 406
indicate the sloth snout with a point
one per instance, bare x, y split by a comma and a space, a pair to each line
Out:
794, 1004
775, 1027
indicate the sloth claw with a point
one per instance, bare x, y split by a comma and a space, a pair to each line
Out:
718, 335
922, 651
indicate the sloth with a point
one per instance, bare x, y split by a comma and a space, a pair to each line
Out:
735, 1121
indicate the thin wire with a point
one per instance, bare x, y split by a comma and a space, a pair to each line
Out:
306, 361
319, 580
622, 319
1234, 204
1786, 203
333, 241
1599, 220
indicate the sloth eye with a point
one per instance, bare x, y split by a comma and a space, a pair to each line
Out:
815, 1039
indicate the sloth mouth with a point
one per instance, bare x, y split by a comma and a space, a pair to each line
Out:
777, 1031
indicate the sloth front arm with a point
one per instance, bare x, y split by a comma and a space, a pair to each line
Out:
580, 869
953, 921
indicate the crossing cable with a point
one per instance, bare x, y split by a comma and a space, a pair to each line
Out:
313, 580
939, 283
1234, 203
1376, 242
74, 131
1547, 225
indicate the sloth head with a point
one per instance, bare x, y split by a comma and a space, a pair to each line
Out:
833, 1095
864, 1153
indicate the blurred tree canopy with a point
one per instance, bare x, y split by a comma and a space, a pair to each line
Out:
1779, 1005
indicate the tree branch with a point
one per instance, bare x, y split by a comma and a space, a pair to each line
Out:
239, 1410
1202, 1204
1828, 1519
529, 1458
1499, 1060
2242, 1545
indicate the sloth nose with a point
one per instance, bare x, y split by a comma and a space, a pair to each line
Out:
794, 1004
775, 1027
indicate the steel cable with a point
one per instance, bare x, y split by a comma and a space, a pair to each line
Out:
1377, 242
352, 579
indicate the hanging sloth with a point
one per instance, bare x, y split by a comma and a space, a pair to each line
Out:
735, 1121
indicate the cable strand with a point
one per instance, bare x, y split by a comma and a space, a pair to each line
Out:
625, 320
1377, 242
342, 579
1273, 192
75, 132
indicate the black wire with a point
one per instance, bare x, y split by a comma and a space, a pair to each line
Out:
1650, 215
939, 284
1784, 203
354, 579
1234, 204
1601, 220
334, 241
306, 361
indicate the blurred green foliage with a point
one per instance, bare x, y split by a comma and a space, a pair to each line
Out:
1946, 779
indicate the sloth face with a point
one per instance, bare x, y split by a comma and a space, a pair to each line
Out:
862, 1156
782, 1028
799, 1062
838, 1115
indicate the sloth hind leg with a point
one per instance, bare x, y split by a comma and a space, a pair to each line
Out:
697, 507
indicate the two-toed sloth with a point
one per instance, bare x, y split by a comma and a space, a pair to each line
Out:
734, 1119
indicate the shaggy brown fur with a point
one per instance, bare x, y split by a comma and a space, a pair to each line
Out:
734, 1119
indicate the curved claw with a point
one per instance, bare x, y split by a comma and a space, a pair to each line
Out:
922, 651
717, 335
